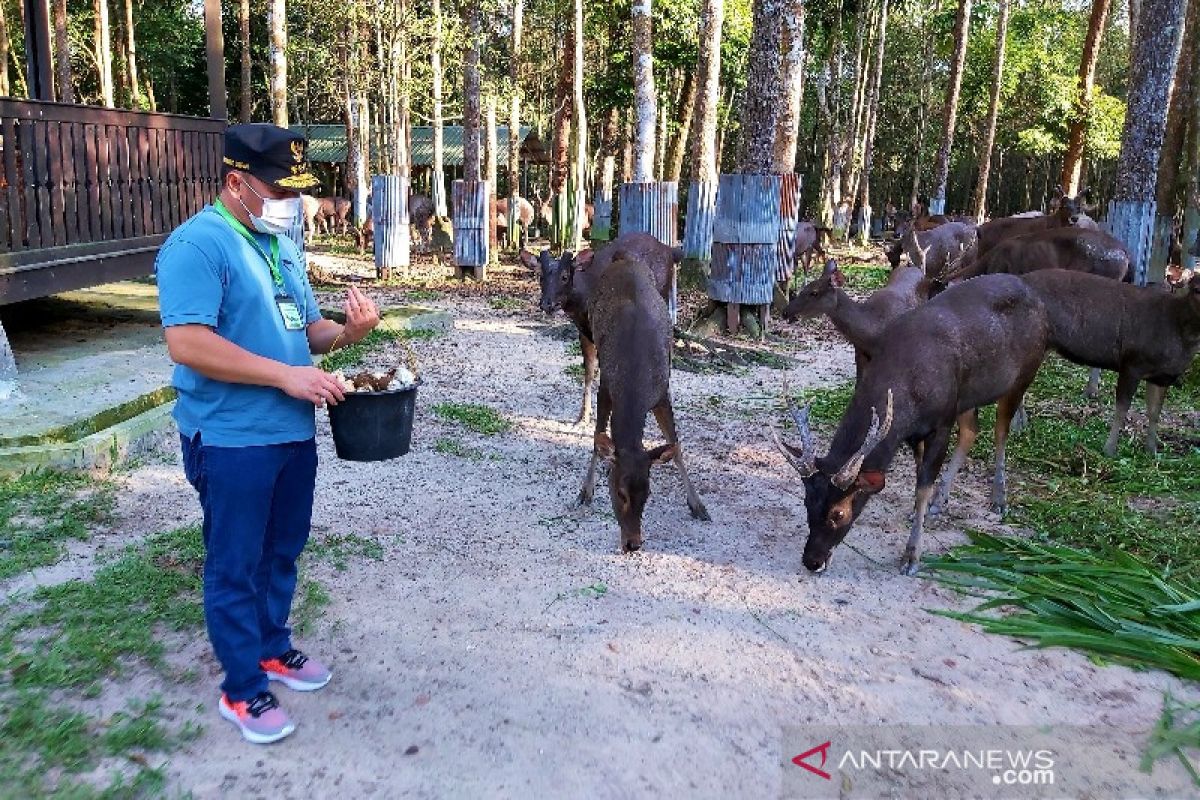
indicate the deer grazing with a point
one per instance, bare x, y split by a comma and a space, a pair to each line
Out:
978, 343
1142, 333
566, 283
633, 337
863, 322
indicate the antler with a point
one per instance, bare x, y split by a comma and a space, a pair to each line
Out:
848, 473
803, 459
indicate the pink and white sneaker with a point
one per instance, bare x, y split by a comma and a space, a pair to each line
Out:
260, 719
297, 671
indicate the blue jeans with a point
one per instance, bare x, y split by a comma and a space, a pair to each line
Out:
257, 505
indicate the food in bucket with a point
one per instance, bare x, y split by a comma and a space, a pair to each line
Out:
391, 381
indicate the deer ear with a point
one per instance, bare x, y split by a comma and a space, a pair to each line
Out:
837, 278
528, 259
870, 481
605, 447
663, 453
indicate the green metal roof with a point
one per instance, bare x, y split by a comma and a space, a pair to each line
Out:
327, 143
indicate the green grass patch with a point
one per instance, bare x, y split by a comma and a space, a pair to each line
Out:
340, 548
1177, 732
474, 416
827, 404
504, 303
866, 277
575, 371
573, 349
453, 447
40, 511
311, 600
424, 295
1108, 603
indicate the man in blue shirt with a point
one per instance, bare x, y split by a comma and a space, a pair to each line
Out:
241, 323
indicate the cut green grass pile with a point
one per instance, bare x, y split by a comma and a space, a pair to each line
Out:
504, 303
1177, 732
1110, 604
351, 356
474, 416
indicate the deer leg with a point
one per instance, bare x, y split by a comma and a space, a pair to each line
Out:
589, 378
968, 430
1006, 409
733, 317
1093, 384
927, 470
603, 409
664, 413
1126, 386
1154, 400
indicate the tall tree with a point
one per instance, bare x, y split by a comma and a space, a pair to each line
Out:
1077, 135
989, 137
581, 141
759, 107
514, 126
561, 126
247, 94
62, 54
131, 69
1170, 198
103, 47
471, 165
941, 168
277, 25
5, 91
922, 105
829, 101
864, 188
704, 166
687, 109
791, 88
643, 92
1152, 66
435, 61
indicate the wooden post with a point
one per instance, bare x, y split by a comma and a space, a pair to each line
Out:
389, 215
39, 57
214, 41
745, 250
653, 208
469, 200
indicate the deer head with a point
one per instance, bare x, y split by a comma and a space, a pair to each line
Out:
818, 296
834, 493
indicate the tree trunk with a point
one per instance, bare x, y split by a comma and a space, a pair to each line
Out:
277, 25
708, 79
578, 201
791, 88
643, 92
244, 43
438, 178
989, 138
830, 104
922, 110
941, 172
1171, 179
492, 168
130, 53
560, 146
864, 196
514, 128
5, 46
760, 109
103, 45
471, 165
1076, 137
1131, 212
687, 111
404, 139
660, 136
1191, 215
1135, 8
62, 54
865, 36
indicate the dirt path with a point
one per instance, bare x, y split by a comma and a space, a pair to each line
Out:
470, 643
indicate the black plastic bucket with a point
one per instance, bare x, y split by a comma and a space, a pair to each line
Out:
373, 426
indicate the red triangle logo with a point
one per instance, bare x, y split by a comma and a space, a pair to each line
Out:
823, 749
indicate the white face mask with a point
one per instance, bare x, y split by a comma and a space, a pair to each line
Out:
279, 216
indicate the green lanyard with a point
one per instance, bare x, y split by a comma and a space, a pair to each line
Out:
272, 259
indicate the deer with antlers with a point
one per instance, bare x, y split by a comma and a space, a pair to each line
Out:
977, 343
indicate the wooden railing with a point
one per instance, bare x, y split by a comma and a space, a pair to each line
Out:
88, 194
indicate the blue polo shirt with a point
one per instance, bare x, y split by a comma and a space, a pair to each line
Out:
208, 274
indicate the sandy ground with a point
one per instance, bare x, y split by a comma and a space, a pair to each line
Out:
467, 663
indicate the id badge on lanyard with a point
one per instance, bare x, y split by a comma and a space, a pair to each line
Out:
292, 320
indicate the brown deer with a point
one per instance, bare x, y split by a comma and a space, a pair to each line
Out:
1075, 248
1142, 333
1067, 211
933, 250
863, 322
633, 336
977, 343
566, 283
